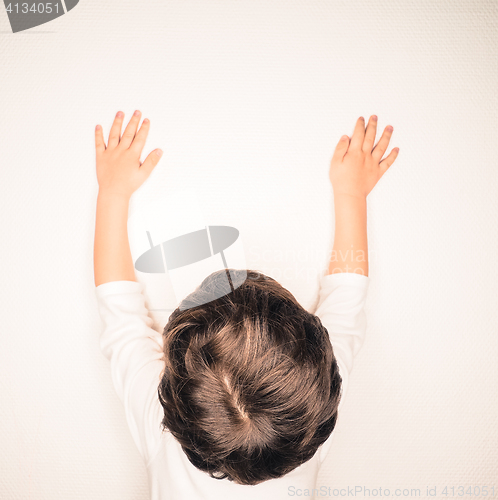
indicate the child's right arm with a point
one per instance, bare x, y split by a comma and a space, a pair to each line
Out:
354, 170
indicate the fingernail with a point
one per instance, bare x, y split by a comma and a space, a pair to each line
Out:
389, 128
159, 152
361, 118
344, 138
136, 112
119, 114
374, 118
146, 120
97, 127
396, 149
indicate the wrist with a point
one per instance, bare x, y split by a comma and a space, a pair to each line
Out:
349, 197
114, 196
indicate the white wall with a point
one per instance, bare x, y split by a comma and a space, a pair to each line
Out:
248, 98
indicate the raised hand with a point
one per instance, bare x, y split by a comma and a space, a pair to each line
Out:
357, 165
119, 170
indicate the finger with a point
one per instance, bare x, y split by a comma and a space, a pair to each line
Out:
150, 162
370, 135
99, 140
139, 141
341, 149
388, 160
115, 132
381, 146
358, 134
130, 130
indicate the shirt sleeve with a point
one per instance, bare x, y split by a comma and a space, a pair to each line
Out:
341, 309
135, 352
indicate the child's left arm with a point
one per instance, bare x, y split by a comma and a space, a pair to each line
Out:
128, 340
119, 174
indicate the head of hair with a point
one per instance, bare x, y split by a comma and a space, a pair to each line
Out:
251, 386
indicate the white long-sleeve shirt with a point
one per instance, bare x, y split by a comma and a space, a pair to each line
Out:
135, 352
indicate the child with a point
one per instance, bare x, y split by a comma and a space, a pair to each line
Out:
244, 388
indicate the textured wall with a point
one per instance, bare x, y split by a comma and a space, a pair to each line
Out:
248, 99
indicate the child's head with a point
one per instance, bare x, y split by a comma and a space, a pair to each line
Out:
251, 385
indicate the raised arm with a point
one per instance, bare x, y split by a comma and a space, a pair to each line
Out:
355, 168
128, 340
119, 174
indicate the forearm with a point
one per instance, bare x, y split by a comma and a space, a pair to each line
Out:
111, 254
350, 251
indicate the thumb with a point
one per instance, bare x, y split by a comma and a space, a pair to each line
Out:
150, 162
341, 148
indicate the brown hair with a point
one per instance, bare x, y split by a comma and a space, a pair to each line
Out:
251, 385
